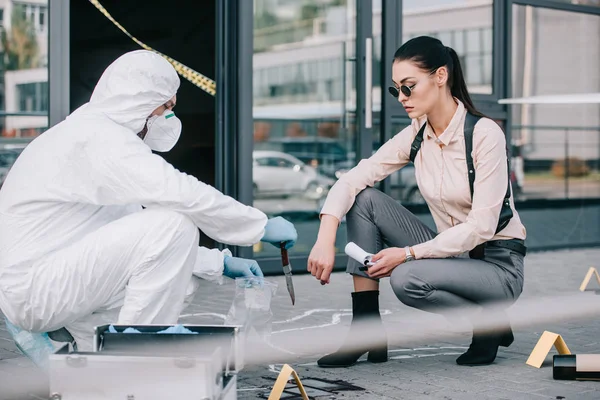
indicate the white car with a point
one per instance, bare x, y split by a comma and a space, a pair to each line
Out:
276, 173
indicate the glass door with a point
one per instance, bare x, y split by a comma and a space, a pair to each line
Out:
312, 109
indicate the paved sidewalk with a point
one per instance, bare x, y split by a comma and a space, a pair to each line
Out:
424, 368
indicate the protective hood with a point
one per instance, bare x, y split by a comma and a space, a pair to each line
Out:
132, 87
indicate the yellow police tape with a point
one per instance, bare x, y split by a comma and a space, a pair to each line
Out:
203, 82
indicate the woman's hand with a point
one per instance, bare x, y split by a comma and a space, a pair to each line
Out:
321, 260
322, 255
385, 262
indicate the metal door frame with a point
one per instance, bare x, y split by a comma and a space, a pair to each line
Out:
58, 60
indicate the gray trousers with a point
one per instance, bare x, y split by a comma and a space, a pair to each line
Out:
376, 221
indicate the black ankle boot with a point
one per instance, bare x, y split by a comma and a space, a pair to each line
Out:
365, 309
507, 337
484, 347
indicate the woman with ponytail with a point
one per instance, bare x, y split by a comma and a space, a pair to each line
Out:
476, 256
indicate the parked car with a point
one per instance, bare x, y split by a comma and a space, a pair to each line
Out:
327, 155
279, 174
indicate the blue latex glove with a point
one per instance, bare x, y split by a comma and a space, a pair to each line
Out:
180, 329
280, 230
173, 329
111, 329
36, 346
235, 267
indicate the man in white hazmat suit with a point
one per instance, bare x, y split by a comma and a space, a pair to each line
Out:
76, 247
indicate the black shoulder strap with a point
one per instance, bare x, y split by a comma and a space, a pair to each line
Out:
416, 144
505, 212
470, 121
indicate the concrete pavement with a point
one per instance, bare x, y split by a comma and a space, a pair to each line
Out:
422, 368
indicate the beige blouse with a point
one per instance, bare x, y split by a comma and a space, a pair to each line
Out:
441, 173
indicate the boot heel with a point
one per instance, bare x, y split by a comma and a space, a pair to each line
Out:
378, 355
507, 339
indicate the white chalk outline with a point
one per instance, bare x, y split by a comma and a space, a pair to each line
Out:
276, 368
222, 316
336, 318
314, 311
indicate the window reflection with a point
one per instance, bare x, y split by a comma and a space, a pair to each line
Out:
304, 137
556, 147
583, 2
23, 76
463, 25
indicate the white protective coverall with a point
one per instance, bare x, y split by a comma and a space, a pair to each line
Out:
76, 247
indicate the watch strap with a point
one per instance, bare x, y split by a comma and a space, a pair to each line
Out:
409, 256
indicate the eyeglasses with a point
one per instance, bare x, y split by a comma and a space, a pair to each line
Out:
406, 90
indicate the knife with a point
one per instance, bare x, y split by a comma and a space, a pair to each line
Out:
287, 270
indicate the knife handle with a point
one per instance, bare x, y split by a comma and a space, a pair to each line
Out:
284, 255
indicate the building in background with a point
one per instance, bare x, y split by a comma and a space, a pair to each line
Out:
24, 67
556, 52
301, 68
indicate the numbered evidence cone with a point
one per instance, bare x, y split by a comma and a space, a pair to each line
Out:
572, 367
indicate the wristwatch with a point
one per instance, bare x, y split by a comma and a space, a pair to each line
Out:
409, 256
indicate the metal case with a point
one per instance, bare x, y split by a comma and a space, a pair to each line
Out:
149, 365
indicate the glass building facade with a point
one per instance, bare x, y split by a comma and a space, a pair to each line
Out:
302, 97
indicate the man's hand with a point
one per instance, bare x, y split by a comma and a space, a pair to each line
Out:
321, 260
235, 267
385, 262
280, 230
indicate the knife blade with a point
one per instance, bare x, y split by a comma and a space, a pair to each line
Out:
287, 270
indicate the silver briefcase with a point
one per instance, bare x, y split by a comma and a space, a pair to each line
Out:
149, 365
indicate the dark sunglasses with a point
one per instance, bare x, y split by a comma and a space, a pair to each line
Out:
406, 90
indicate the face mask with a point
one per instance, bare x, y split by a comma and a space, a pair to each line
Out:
163, 131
